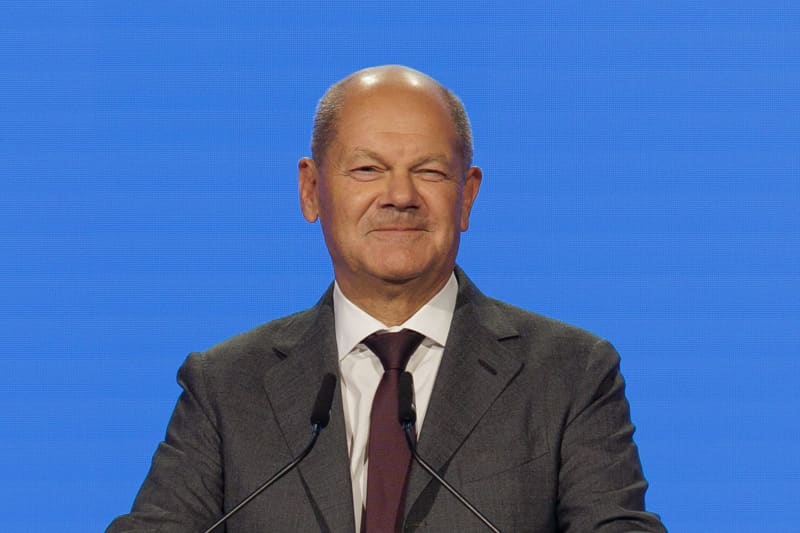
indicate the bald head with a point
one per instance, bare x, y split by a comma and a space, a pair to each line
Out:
385, 78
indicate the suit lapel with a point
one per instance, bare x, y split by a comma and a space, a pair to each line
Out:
475, 369
292, 385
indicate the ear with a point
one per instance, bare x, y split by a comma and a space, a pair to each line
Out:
308, 187
472, 182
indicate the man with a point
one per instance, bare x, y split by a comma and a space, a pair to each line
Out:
525, 415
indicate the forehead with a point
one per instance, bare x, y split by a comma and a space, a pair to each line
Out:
407, 112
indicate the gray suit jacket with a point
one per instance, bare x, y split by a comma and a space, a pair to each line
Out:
528, 419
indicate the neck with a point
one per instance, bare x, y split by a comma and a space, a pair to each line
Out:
391, 303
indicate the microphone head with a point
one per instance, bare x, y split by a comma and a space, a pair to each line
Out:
321, 414
406, 412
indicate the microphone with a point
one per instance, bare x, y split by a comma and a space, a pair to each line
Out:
406, 410
407, 414
320, 416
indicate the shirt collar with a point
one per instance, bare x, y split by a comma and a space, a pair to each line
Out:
433, 319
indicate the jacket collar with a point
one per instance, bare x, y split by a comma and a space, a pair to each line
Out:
475, 369
308, 352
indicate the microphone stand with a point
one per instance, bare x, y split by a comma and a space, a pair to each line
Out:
320, 417
315, 429
408, 428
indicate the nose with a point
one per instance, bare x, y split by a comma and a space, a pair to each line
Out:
401, 191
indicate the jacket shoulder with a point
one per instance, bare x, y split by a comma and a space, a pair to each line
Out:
542, 340
252, 352
262, 338
533, 325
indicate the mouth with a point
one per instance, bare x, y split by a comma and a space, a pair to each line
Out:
397, 233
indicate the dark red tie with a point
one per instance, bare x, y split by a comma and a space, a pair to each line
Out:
388, 454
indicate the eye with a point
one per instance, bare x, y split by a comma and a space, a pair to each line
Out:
432, 174
366, 172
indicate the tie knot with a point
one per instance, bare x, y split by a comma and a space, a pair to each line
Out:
394, 349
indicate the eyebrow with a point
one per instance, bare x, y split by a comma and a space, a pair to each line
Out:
368, 153
427, 158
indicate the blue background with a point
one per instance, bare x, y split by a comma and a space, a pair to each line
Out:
642, 180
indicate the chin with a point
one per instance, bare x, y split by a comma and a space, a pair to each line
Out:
395, 275
398, 273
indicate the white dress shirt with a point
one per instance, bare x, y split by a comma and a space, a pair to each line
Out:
361, 370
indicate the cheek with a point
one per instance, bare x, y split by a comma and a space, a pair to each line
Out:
345, 214
447, 212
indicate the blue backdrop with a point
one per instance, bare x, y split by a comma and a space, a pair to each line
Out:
642, 180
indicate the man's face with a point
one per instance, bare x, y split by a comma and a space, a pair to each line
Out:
391, 194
